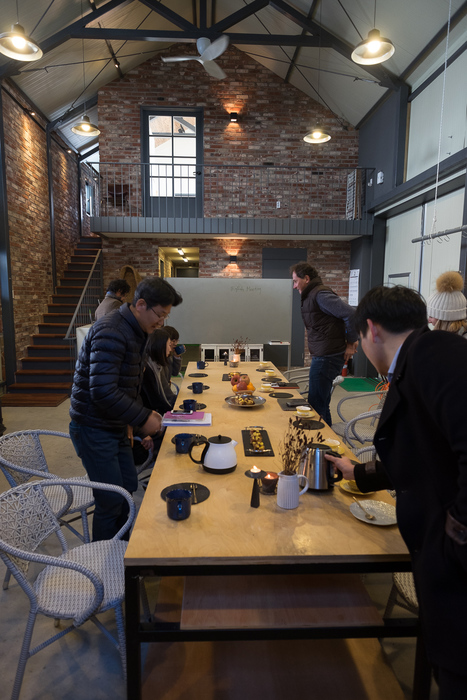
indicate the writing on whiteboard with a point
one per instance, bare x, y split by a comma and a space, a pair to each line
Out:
247, 288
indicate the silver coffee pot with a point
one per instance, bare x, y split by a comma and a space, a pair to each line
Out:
317, 469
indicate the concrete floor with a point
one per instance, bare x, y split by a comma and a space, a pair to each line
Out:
84, 665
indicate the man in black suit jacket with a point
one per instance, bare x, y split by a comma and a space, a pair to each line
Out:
422, 444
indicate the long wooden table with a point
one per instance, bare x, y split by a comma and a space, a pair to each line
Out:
226, 536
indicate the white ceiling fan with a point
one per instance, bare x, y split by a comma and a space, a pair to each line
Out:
208, 52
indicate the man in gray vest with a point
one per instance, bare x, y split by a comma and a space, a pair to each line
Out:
114, 298
332, 339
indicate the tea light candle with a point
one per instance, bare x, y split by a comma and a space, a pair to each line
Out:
269, 482
255, 474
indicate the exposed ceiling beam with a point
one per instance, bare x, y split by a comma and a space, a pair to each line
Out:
12, 67
239, 16
296, 53
168, 14
190, 36
75, 112
327, 39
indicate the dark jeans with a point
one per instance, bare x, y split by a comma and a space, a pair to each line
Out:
107, 457
323, 371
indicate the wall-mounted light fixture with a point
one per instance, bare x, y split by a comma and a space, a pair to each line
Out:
16, 44
233, 258
233, 116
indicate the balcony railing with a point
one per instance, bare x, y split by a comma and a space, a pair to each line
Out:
227, 191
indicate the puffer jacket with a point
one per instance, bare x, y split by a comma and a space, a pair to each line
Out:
109, 374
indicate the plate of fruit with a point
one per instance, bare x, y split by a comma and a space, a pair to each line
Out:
241, 383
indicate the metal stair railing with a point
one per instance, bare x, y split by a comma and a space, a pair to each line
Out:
84, 312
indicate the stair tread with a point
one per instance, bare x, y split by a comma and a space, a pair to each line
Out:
52, 372
40, 385
38, 400
46, 347
45, 359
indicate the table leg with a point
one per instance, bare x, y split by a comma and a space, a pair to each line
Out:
133, 645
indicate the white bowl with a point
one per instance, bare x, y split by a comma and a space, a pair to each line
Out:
304, 410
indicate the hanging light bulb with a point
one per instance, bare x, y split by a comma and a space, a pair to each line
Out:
375, 49
16, 44
85, 128
318, 135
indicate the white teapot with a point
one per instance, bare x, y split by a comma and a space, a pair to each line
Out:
218, 456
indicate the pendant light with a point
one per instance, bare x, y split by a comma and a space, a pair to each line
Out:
375, 49
318, 134
16, 44
84, 127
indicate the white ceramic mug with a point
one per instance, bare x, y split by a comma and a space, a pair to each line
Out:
288, 490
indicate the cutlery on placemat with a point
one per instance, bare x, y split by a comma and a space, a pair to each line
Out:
193, 491
368, 515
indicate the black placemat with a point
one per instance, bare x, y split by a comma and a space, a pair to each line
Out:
286, 385
267, 452
280, 395
205, 386
295, 402
202, 492
308, 424
199, 406
271, 378
198, 374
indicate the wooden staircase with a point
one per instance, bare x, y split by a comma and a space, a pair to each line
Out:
46, 373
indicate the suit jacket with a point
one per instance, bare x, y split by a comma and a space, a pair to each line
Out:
422, 443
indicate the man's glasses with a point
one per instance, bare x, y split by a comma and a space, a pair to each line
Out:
161, 317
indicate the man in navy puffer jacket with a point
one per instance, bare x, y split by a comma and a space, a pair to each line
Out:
105, 397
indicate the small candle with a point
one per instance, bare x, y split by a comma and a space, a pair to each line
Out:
255, 470
269, 482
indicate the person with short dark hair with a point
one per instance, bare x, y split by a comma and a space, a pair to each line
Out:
421, 441
105, 397
153, 392
114, 298
331, 337
174, 360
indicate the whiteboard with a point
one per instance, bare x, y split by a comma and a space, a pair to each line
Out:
220, 310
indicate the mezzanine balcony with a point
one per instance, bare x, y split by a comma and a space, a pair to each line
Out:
146, 199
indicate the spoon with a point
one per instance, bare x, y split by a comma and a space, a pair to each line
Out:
193, 491
368, 515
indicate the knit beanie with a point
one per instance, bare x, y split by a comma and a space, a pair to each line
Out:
448, 303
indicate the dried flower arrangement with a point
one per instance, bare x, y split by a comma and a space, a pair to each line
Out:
291, 448
239, 345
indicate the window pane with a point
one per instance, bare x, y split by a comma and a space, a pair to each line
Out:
160, 146
160, 124
184, 187
185, 125
185, 147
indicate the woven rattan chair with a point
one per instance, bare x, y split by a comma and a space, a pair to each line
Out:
346, 407
22, 457
76, 585
361, 429
402, 593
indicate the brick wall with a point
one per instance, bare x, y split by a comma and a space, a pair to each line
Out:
28, 213
273, 118
331, 258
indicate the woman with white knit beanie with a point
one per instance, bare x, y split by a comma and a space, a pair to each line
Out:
447, 306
